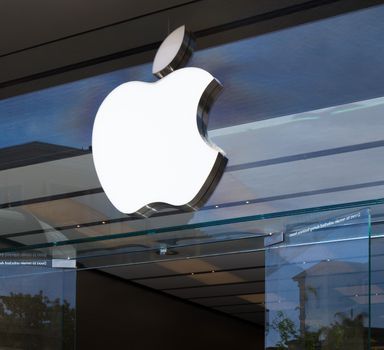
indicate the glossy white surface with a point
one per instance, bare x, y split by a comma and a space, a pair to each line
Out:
146, 144
168, 49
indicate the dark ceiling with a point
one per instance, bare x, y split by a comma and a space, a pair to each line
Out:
89, 37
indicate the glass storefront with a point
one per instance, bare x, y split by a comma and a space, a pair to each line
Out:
318, 286
300, 120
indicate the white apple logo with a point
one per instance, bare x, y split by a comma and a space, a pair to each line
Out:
149, 139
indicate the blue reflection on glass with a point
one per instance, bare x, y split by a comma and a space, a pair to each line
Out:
324, 63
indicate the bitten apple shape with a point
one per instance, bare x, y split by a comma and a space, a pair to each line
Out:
149, 145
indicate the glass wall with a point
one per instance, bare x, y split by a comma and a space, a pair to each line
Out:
37, 303
318, 287
300, 120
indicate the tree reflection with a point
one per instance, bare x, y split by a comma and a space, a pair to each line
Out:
286, 329
36, 322
345, 333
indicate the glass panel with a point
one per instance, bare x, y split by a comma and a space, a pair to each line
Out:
299, 132
318, 285
37, 302
377, 292
149, 244
303, 134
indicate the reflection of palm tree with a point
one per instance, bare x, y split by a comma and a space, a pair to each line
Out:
35, 322
346, 333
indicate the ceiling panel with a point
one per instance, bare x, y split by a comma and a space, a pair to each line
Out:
257, 318
137, 24
31, 23
221, 300
241, 308
221, 290
206, 278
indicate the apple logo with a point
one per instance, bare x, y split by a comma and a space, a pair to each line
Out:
149, 140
